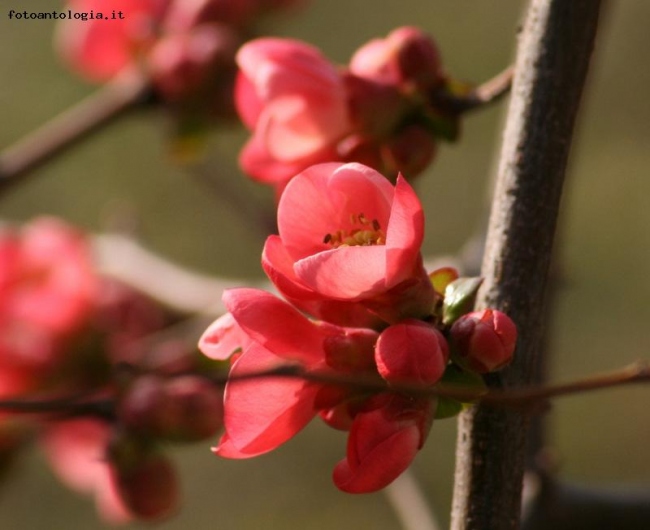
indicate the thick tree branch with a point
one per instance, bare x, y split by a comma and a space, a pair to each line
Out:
551, 66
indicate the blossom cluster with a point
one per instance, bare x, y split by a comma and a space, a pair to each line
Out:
386, 109
70, 336
186, 48
358, 304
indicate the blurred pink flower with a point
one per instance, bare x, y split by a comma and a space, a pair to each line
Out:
295, 102
407, 56
47, 288
346, 234
99, 49
77, 452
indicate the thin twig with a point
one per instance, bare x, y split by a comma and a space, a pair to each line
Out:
486, 93
636, 373
116, 98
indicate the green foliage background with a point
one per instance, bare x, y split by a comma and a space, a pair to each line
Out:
602, 316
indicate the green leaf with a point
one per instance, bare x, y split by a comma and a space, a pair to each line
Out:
459, 299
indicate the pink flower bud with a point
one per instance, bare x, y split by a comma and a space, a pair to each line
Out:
195, 408
411, 150
411, 352
407, 55
143, 407
181, 408
484, 341
188, 65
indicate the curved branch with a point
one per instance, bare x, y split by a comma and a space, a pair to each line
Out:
116, 98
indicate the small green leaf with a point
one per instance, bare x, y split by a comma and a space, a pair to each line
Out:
459, 299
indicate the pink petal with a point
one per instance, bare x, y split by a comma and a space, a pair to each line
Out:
263, 413
278, 266
248, 104
276, 325
256, 161
222, 338
379, 450
322, 199
405, 233
345, 273
76, 451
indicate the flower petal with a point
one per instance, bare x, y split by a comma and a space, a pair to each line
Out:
263, 413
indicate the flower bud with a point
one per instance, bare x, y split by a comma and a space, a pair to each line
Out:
406, 56
195, 408
411, 352
411, 150
187, 65
145, 480
183, 408
484, 341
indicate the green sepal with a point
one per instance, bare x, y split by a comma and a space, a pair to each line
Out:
459, 299
447, 408
455, 376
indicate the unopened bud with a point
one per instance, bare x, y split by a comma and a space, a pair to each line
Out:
145, 480
183, 408
195, 408
411, 150
411, 352
484, 341
184, 65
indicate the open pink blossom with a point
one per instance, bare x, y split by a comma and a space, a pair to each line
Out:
349, 235
294, 100
386, 429
261, 414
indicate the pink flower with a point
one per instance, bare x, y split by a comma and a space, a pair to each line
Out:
294, 100
262, 414
76, 450
386, 429
100, 48
350, 236
484, 341
47, 286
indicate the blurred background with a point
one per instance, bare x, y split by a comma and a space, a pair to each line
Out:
602, 314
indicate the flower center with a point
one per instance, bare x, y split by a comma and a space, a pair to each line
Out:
368, 233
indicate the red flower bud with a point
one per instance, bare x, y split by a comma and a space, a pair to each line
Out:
182, 408
146, 480
484, 341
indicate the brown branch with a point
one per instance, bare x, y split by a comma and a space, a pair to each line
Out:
123, 94
552, 61
516, 398
486, 93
